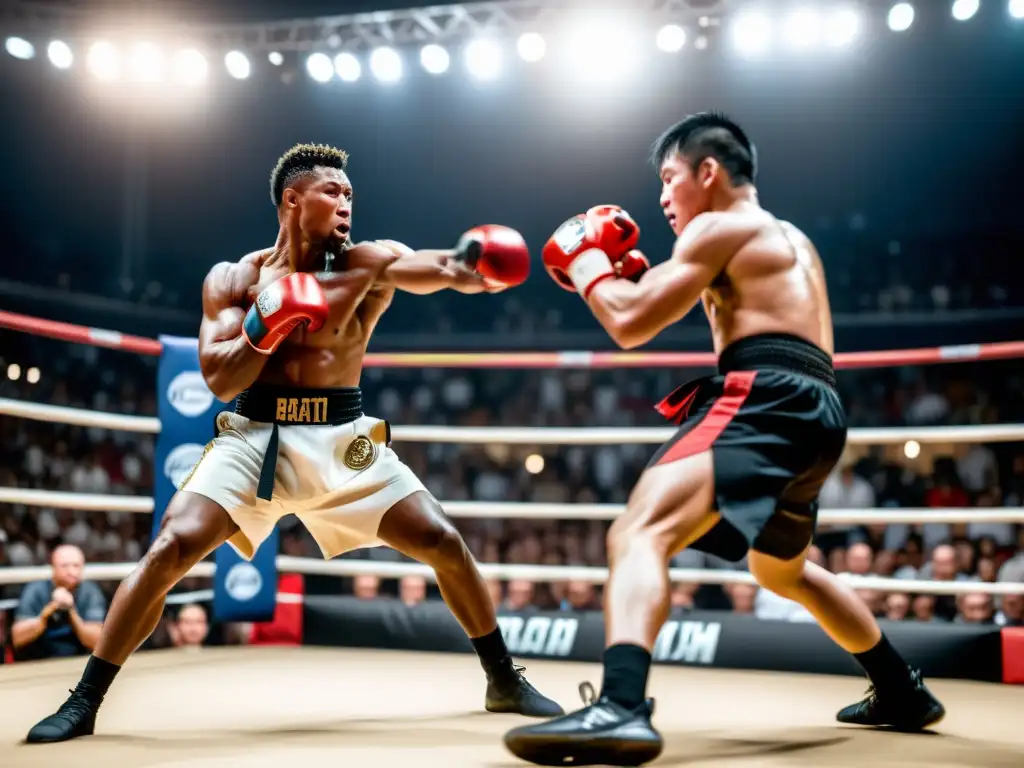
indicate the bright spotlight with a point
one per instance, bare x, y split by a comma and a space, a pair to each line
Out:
32, 376
964, 9
237, 64
147, 63
912, 449
190, 67
483, 59
104, 62
434, 59
320, 67
1016, 9
531, 47
347, 66
534, 464
60, 55
20, 48
386, 65
671, 38
751, 32
901, 16
602, 50
13, 371
842, 27
275, 58
802, 29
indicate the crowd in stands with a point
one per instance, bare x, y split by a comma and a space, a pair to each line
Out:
51, 456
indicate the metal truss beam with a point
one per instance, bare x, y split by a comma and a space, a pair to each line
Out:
445, 24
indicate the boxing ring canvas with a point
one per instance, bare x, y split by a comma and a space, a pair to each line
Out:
266, 707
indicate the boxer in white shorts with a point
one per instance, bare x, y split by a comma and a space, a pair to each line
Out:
284, 333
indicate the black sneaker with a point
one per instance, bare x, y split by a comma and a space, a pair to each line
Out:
76, 717
514, 694
602, 733
911, 711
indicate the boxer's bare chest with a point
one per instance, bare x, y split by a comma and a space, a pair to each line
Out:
331, 356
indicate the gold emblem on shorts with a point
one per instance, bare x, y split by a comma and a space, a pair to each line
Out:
360, 453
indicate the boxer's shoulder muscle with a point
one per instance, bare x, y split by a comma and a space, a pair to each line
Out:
717, 236
227, 282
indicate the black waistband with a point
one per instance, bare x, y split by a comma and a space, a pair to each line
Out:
293, 405
779, 351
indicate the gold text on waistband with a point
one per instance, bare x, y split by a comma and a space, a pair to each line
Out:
302, 410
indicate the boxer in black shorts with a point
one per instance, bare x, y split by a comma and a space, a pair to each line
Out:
756, 441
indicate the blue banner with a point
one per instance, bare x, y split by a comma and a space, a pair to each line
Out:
243, 591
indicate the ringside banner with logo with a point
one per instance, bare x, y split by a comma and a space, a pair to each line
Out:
701, 638
243, 591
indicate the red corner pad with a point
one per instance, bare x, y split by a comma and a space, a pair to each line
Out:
1013, 655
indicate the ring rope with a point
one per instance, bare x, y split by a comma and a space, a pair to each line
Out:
984, 433
522, 510
535, 573
544, 360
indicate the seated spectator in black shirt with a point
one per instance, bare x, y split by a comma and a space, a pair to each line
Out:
61, 616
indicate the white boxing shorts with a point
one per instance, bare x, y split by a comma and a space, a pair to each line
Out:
338, 479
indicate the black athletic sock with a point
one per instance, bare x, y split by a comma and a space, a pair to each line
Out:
98, 675
888, 671
493, 652
625, 674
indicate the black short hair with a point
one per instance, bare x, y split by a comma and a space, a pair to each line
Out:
302, 159
710, 134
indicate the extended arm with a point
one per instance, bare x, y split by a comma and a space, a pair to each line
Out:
424, 272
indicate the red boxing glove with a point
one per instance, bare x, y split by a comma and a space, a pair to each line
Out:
632, 266
281, 306
581, 252
495, 252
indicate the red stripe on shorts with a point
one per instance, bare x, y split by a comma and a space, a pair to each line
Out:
734, 393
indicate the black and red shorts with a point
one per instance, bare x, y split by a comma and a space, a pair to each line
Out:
776, 427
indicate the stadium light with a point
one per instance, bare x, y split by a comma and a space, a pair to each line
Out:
531, 47
13, 371
20, 48
32, 376
912, 449
802, 29
386, 65
320, 67
901, 16
534, 464
60, 55
965, 9
602, 49
275, 58
435, 59
842, 27
701, 42
190, 67
751, 32
483, 59
104, 61
347, 67
1016, 9
147, 63
237, 65
671, 38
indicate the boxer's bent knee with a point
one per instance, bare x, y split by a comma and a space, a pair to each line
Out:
418, 527
787, 535
192, 527
781, 575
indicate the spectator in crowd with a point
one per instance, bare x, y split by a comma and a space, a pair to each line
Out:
366, 586
412, 590
922, 608
897, 606
191, 627
61, 616
580, 596
519, 595
974, 608
742, 597
1011, 611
